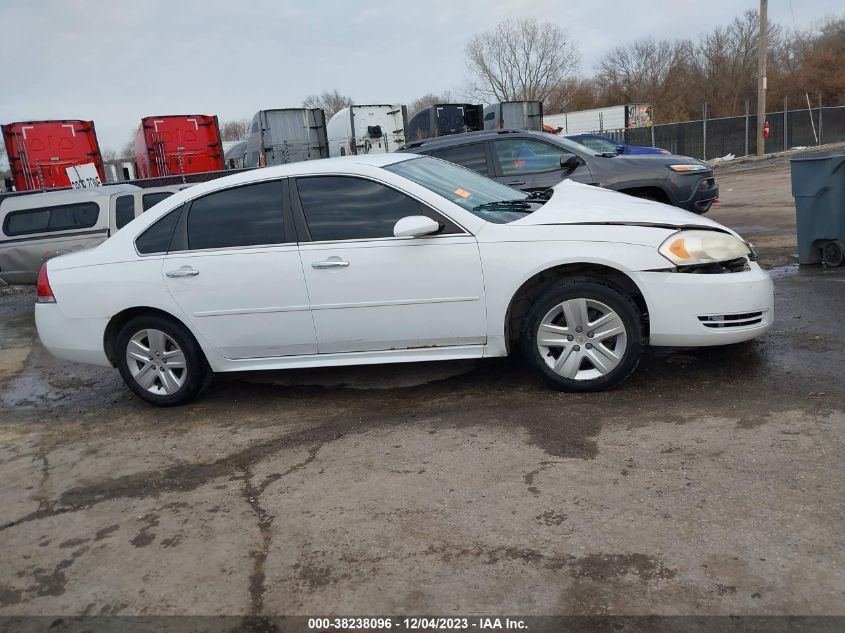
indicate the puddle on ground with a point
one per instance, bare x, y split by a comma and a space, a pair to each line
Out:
780, 272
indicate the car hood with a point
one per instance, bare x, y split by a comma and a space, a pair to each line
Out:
656, 157
576, 203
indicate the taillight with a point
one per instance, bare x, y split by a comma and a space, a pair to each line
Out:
43, 291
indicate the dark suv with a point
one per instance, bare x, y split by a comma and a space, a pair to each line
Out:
535, 161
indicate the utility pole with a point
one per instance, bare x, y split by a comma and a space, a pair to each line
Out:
761, 77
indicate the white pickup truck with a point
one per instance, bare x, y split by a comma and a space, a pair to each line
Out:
35, 227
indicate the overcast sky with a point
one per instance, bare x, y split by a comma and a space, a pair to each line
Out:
115, 62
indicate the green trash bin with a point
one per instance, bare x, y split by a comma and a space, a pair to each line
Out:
818, 185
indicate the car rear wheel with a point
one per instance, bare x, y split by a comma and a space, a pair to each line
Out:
582, 335
160, 361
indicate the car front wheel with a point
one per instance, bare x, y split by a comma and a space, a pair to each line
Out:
582, 335
160, 361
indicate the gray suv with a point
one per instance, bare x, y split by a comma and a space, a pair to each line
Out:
535, 161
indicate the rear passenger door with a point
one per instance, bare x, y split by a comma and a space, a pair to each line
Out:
234, 269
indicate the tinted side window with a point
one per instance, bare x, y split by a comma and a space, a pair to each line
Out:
524, 156
469, 156
124, 211
63, 217
156, 239
242, 216
346, 208
149, 200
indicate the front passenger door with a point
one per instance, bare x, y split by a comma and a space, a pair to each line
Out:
371, 291
533, 165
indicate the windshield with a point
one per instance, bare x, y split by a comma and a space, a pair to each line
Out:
601, 145
572, 145
477, 194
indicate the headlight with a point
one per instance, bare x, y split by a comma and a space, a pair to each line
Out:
687, 168
702, 247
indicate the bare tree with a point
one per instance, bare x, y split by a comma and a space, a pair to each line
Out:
571, 95
809, 62
330, 102
428, 100
634, 71
726, 63
234, 130
127, 152
719, 68
651, 71
520, 60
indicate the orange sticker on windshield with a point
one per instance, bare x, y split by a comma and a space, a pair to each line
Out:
462, 193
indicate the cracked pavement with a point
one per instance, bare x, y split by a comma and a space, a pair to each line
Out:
711, 483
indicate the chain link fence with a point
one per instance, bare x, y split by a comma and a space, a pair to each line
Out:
714, 138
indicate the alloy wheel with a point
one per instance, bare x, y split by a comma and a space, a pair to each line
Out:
582, 339
156, 362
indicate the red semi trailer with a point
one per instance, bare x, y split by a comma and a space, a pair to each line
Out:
40, 151
177, 144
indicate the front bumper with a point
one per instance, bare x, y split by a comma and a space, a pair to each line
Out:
700, 196
692, 310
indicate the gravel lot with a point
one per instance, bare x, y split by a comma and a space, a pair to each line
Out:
711, 483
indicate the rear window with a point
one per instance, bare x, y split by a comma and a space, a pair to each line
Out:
149, 200
124, 211
63, 217
156, 239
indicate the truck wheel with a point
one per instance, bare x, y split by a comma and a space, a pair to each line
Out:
582, 335
160, 361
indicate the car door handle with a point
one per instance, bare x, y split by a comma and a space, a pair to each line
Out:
330, 263
516, 183
185, 271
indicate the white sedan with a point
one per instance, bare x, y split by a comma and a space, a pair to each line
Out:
396, 258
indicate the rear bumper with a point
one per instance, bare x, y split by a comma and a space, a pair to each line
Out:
77, 340
689, 310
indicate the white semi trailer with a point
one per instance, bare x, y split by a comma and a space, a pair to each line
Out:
514, 115
367, 129
286, 135
601, 119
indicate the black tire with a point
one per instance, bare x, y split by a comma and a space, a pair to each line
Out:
832, 253
197, 369
596, 293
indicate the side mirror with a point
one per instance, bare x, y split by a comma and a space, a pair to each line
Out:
620, 149
415, 226
569, 162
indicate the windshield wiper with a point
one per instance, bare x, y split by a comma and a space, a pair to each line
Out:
507, 205
537, 197
543, 195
